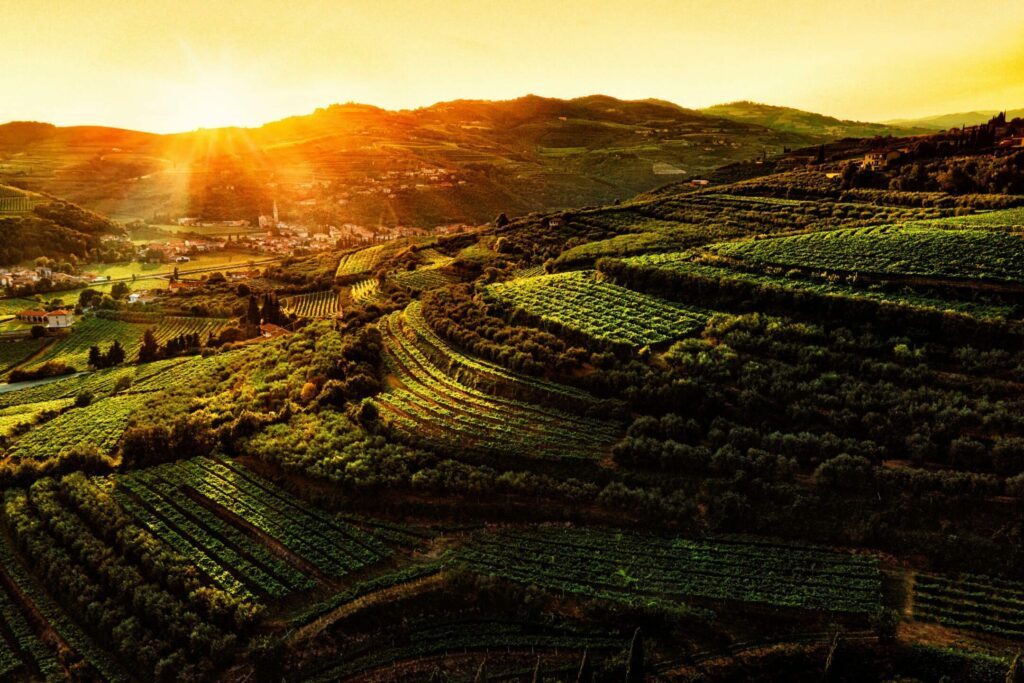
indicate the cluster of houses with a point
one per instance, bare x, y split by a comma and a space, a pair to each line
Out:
31, 278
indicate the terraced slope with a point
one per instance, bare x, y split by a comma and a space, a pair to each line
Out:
425, 402
893, 250
633, 567
579, 302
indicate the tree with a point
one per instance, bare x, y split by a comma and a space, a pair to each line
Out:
635, 661
150, 349
120, 290
38, 331
95, 358
115, 355
501, 221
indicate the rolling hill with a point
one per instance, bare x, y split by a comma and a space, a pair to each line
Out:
947, 121
460, 161
801, 122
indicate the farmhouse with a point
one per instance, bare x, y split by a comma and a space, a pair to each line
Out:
874, 161
58, 319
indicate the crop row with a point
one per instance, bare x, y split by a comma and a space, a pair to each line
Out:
365, 290
480, 373
627, 566
324, 304
431, 404
214, 536
890, 250
442, 638
318, 541
99, 424
601, 310
58, 620
974, 603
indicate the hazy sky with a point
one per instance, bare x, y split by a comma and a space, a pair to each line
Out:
175, 65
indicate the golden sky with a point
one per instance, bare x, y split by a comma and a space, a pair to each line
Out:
176, 65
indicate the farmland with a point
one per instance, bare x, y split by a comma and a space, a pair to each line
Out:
973, 603
324, 304
623, 566
603, 311
426, 403
73, 350
693, 264
908, 251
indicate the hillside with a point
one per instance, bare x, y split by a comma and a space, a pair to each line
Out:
947, 121
33, 225
762, 430
462, 161
796, 121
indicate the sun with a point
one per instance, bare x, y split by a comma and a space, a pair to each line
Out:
214, 96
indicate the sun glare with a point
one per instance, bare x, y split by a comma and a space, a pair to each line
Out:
212, 97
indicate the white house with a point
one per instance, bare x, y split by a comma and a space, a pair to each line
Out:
58, 319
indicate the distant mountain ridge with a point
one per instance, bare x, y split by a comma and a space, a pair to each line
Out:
947, 121
458, 161
804, 122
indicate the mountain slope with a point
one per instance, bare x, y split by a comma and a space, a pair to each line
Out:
460, 161
947, 121
802, 122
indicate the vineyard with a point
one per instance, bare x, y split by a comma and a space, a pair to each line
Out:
19, 416
891, 250
99, 424
73, 350
633, 567
689, 264
484, 375
133, 377
324, 304
364, 261
365, 291
971, 602
14, 352
425, 403
460, 635
601, 310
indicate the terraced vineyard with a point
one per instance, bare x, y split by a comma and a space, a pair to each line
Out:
15, 352
459, 636
423, 279
892, 250
23, 415
365, 291
138, 378
426, 403
331, 547
971, 602
684, 263
324, 304
636, 567
73, 350
99, 424
365, 260
29, 593
481, 374
601, 310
